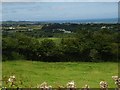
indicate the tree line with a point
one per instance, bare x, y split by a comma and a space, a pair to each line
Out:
85, 45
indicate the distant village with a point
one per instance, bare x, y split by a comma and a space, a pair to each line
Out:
67, 28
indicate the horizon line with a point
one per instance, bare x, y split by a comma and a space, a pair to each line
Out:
67, 19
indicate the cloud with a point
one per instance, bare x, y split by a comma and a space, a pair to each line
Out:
60, 0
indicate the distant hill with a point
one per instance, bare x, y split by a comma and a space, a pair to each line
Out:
109, 20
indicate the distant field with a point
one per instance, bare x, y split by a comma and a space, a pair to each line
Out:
56, 40
33, 72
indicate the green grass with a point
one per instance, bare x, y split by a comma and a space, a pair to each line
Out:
0, 73
56, 40
33, 72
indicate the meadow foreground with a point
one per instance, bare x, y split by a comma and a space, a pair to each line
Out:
32, 73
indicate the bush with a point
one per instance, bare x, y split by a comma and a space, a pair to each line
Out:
17, 56
85, 46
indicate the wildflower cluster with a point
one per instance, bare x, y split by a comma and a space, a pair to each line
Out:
44, 86
11, 82
86, 87
71, 85
117, 80
103, 85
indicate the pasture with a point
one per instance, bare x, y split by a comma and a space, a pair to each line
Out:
56, 40
32, 73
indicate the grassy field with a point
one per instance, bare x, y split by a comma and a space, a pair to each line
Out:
56, 40
33, 72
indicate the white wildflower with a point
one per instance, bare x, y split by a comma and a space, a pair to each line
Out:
86, 87
115, 77
44, 86
11, 79
103, 85
71, 84
117, 80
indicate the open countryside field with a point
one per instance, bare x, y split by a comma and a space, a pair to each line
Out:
32, 72
56, 40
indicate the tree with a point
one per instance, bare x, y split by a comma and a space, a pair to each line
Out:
46, 49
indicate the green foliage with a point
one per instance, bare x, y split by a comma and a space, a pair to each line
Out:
94, 55
47, 44
84, 45
19, 45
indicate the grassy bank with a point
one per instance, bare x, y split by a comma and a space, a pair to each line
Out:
33, 72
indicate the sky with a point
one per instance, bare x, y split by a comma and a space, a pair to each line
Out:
43, 11
60, 0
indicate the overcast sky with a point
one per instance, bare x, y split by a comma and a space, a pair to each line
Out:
40, 11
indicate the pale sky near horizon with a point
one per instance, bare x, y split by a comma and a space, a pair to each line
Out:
60, 0
40, 11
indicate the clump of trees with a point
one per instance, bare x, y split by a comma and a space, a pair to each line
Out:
86, 45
